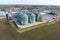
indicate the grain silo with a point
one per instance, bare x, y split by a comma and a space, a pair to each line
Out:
32, 18
41, 12
22, 18
39, 16
36, 13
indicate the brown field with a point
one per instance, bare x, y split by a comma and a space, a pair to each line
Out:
49, 32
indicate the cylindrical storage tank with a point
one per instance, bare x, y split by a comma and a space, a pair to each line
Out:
32, 18
39, 16
36, 14
28, 13
19, 18
41, 12
22, 19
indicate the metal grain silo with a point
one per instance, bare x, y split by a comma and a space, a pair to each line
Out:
32, 18
36, 13
41, 12
39, 16
22, 18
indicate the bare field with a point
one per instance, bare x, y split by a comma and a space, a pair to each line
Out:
48, 32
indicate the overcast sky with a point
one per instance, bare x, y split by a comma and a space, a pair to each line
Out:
31, 2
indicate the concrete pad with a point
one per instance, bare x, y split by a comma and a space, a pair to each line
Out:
28, 25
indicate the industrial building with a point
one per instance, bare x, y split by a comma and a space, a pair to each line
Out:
27, 18
24, 16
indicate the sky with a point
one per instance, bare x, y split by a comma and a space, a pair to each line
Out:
31, 2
